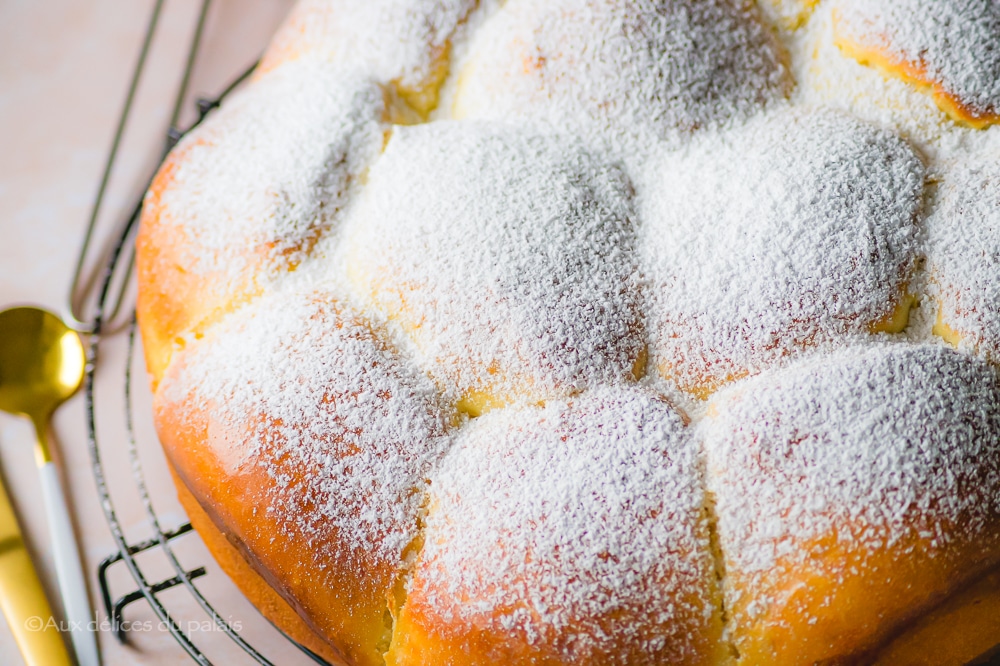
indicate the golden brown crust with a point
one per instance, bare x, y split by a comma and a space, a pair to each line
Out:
422, 636
827, 612
234, 563
343, 601
312, 510
842, 522
963, 629
877, 55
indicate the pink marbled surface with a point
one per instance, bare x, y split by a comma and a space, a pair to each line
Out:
64, 68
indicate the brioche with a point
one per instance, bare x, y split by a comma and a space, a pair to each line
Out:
594, 332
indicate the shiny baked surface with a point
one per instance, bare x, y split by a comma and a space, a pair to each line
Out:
590, 332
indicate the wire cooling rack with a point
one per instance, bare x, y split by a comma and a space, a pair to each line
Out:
109, 313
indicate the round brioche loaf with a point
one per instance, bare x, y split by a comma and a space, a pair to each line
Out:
594, 331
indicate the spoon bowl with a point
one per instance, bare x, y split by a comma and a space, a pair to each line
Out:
41, 362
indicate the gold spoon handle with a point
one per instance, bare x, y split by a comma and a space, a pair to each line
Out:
69, 571
23, 598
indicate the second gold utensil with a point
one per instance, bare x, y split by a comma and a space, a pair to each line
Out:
23, 598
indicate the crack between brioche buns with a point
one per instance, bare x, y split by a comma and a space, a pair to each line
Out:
397, 595
916, 302
719, 568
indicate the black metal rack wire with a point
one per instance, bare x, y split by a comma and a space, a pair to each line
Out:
110, 281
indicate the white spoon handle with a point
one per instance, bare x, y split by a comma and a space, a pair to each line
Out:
72, 584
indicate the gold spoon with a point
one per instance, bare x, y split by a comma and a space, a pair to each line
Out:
41, 365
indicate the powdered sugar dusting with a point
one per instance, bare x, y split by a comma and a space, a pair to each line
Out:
798, 228
400, 42
299, 389
954, 41
964, 252
827, 76
518, 263
272, 170
868, 447
576, 529
523, 283
622, 74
